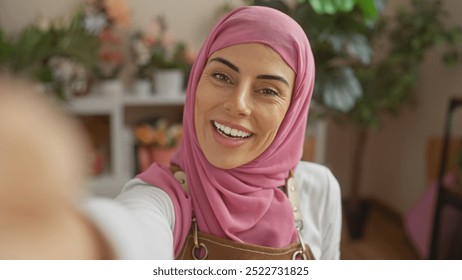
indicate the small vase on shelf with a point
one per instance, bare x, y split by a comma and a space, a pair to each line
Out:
142, 87
112, 87
168, 82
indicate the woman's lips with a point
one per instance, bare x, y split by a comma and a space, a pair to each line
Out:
230, 135
232, 131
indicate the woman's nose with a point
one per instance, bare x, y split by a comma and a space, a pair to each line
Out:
238, 102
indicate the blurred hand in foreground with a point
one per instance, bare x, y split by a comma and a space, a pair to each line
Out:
42, 171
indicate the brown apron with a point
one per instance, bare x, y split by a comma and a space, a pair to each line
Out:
200, 245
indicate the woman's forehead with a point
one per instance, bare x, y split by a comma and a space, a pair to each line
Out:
259, 53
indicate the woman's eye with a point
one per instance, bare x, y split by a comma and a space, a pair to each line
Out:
221, 77
268, 91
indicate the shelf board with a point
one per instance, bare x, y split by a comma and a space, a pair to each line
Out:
154, 100
92, 104
97, 103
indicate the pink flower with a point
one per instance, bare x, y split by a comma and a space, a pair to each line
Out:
148, 40
107, 36
111, 56
118, 12
189, 55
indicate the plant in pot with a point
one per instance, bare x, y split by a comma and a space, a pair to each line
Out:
170, 59
356, 81
141, 56
157, 141
388, 83
109, 21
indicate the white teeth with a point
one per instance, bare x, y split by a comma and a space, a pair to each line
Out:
232, 132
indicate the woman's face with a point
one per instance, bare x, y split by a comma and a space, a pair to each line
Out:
242, 97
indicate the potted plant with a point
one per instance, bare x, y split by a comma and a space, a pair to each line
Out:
109, 22
170, 59
141, 56
355, 84
157, 141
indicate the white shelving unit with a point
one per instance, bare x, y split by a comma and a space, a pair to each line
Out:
117, 108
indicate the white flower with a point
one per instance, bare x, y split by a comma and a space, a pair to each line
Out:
95, 23
142, 54
61, 67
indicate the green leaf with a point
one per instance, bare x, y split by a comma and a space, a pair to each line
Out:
44, 74
344, 5
341, 89
336, 41
358, 47
331, 7
370, 8
323, 6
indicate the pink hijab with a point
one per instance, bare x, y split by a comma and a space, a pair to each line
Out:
243, 204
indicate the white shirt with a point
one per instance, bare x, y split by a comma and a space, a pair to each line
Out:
138, 224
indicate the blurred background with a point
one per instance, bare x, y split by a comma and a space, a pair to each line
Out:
387, 72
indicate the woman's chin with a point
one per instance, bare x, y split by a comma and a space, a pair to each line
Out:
225, 162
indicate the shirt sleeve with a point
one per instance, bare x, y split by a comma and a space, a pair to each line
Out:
320, 203
137, 224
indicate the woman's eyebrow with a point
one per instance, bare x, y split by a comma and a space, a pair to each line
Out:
235, 68
273, 77
226, 62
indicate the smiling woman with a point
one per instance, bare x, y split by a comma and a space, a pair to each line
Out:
242, 98
244, 125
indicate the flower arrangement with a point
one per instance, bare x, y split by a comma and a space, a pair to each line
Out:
69, 78
110, 56
57, 52
95, 44
141, 53
108, 19
102, 14
165, 51
157, 142
160, 133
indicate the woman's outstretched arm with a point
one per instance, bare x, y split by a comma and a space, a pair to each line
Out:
42, 171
